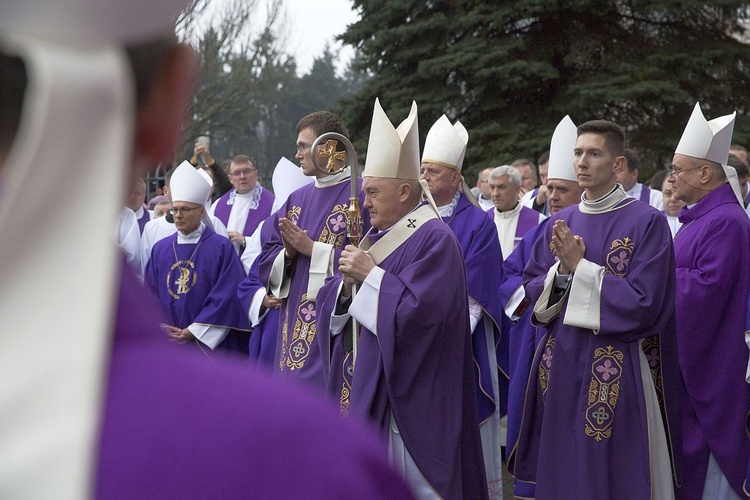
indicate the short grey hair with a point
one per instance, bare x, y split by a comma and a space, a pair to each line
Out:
512, 172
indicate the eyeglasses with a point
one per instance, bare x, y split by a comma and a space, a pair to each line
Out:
302, 149
247, 172
675, 173
184, 210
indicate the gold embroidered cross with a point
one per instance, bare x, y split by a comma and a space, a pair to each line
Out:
328, 150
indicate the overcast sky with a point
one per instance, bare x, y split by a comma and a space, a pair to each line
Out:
308, 35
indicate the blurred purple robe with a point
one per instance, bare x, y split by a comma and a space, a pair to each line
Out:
584, 430
419, 367
712, 252
174, 426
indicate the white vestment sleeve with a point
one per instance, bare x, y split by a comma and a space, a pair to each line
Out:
146, 246
253, 247
475, 314
338, 321
584, 303
278, 283
543, 313
364, 307
321, 267
515, 300
208, 335
253, 313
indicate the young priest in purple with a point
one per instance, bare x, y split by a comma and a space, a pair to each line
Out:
601, 279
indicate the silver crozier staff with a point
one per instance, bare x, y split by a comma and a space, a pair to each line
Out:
324, 147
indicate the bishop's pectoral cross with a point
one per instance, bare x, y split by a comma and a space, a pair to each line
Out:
328, 150
182, 281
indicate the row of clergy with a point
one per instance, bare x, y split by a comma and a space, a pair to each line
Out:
600, 278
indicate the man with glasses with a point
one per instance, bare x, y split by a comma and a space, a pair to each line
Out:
195, 272
303, 249
242, 208
713, 276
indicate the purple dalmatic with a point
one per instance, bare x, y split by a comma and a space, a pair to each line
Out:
321, 211
419, 367
483, 259
585, 430
523, 340
713, 276
197, 283
174, 426
254, 217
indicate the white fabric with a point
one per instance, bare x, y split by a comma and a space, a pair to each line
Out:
716, 486
674, 224
485, 204
321, 267
446, 144
447, 210
543, 310
660, 463
604, 204
364, 306
654, 197
338, 321
584, 303
253, 312
128, 237
278, 282
490, 430
49, 415
331, 180
515, 300
287, 178
253, 248
241, 205
708, 140
393, 153
404, 464
561, 151
475, 314
157, 229
188, 185
209, 335
506, 224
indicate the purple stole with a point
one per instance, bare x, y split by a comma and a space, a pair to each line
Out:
224, 208
144, 219
528, 219
645, 194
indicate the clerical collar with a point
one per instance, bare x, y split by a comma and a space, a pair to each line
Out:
252, 197
447, 210
509, 214
331, 180
604, 204
193, 237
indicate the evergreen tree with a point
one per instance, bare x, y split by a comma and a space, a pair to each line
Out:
511, 70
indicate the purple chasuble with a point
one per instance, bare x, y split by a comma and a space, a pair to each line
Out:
197, 283
477, 236
174, 426
419, 367
254, 217
144, 219
321, 211
713, 276
645, 194
584, 429
523, 340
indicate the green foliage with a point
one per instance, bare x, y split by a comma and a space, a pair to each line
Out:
511, 70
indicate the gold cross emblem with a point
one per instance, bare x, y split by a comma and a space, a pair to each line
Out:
328, 150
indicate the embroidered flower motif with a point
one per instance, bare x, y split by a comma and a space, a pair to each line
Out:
607, 370
621, 260
547, 357
337, 223
652, 356
308, 312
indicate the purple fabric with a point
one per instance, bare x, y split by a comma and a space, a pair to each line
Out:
213, 281
527, 219
713, 276
523, 341
645, 194
483, 259
176, 427
584, 430
322, 213
254, 216
419, 365
144, 219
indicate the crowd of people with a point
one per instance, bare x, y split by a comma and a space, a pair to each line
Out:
389, 333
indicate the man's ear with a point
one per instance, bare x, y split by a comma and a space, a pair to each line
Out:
160, 118
619, 164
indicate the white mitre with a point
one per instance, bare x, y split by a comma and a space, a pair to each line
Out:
710, 140
561, 151
446, 144
192, 185
393, 153
287, 178
75, 130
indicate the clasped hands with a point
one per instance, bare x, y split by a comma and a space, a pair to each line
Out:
295, 240
354, 265
568, 247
